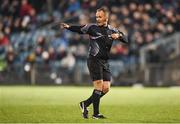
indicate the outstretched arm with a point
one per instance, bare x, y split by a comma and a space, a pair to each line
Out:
79, 29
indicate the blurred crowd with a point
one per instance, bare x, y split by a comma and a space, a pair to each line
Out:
144, 21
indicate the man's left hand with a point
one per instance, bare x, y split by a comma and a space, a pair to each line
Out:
115, 36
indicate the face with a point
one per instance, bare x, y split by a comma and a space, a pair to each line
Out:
101, 18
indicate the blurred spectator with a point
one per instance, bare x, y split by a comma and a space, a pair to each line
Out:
74, 6
4, 41
10, 57
31, 58
68, 61
52, 54
25, 8
61, 53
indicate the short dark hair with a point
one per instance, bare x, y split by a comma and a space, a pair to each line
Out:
105, 10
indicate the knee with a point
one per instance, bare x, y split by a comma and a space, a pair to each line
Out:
106, 86
105, 90
98, 84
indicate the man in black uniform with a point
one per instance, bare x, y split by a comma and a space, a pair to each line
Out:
101, 39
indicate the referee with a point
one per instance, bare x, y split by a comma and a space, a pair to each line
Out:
101, 38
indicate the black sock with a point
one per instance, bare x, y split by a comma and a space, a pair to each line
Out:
102, 94
96, 100
89, 100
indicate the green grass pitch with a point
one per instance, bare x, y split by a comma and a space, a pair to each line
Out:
26, 104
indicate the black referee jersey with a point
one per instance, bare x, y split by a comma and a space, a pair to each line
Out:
100, 39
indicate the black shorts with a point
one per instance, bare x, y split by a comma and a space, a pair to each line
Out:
99, 69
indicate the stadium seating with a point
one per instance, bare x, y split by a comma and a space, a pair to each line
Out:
23, 22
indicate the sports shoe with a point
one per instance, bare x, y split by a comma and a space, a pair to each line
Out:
84, 110
98, 116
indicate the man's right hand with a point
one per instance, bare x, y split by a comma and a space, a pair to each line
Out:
64, 25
